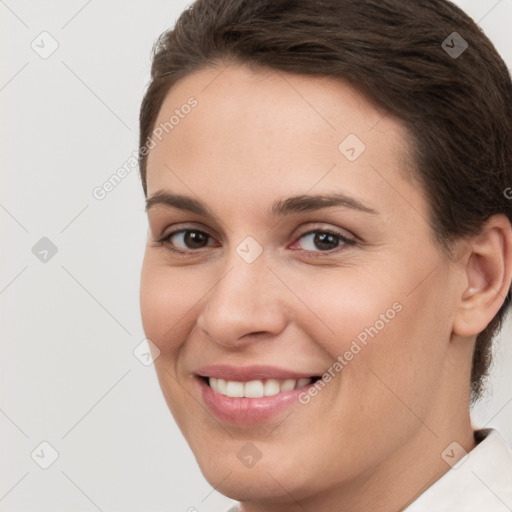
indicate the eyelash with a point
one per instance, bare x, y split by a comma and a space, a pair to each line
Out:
314, 254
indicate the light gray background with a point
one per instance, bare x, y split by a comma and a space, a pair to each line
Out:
68, 373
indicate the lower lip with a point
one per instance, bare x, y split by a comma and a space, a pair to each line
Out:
247, 410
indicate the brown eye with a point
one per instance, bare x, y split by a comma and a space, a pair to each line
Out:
195, 239
323, 241
187, 239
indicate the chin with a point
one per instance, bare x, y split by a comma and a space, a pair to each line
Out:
267, 479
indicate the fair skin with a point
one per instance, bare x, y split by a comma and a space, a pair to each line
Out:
372, 438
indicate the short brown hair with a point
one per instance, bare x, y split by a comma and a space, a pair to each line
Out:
457, 108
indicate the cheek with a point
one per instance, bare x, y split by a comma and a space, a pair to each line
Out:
389, 338
397, 369
167, 298
348, 307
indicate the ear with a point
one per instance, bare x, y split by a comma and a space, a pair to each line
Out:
487, 276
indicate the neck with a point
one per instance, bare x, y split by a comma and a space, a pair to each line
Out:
401, 478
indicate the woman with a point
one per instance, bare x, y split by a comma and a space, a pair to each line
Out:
330, 250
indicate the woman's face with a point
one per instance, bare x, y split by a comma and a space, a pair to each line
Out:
272, 284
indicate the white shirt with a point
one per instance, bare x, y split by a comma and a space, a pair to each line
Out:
479, 482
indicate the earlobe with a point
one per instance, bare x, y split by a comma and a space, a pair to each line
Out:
487, 275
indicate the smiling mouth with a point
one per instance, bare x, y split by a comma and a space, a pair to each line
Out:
257, 388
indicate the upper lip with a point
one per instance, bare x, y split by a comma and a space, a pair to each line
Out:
247, 373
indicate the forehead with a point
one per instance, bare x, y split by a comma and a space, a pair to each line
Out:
259, 132
269, 103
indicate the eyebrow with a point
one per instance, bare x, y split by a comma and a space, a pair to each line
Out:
280, 208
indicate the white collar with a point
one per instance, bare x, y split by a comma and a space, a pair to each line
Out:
481, 482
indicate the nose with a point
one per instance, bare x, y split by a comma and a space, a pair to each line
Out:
244, 305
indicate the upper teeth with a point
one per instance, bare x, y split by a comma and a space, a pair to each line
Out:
256, 388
